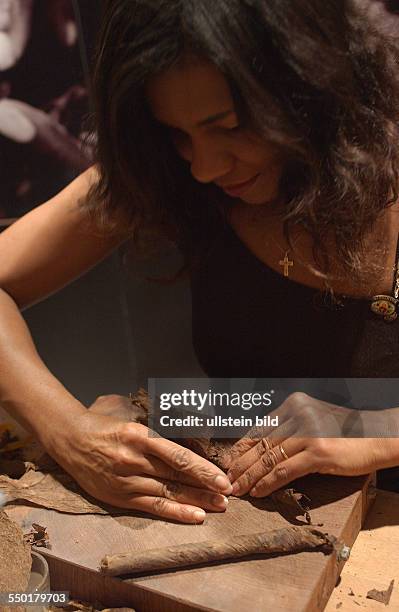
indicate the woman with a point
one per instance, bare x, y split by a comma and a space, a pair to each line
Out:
261, 136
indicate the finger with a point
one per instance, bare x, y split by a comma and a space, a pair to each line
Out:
152, 466
276, 437
251, 457
130, 464
184, 460
265, 464
175, 491
164, 508
297, 466
255, 434
267, 459
238, 449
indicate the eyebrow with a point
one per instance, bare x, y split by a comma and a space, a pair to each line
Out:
214, 118
209, 120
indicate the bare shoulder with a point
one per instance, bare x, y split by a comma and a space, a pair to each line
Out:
53, 244
69, 204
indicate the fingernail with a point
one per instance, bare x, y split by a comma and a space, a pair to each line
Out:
221, 501
223, 484
199, 516
236, 488
253, 492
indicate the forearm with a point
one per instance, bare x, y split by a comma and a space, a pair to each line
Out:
28, 390
389, 438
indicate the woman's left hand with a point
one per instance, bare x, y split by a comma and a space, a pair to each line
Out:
312, 436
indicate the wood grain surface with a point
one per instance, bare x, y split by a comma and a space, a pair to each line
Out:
296, 583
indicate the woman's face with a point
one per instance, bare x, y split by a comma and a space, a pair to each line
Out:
15, 25
194, 101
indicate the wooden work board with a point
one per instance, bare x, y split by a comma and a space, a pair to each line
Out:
296, 583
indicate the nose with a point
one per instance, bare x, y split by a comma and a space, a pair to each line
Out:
210, 162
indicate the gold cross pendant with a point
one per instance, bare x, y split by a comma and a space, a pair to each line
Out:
286, 264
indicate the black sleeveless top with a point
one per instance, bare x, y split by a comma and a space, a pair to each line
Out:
250, 321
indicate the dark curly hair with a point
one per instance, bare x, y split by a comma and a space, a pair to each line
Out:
318, 77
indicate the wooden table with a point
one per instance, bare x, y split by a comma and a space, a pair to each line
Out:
291, 583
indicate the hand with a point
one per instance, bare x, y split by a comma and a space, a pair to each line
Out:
126, 465
311, 433
26, 124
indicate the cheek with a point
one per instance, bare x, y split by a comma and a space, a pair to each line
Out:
259, 154
269, 161
271, 172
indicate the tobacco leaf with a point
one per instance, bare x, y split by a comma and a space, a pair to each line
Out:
213, 449
381, 596
141, 404
291, 504
38, 536
15, 556
57, 491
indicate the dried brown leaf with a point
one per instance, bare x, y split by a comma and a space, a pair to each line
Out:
38, 536
56, 490
291, 504
381, 596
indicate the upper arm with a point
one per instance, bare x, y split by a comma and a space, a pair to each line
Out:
52, 245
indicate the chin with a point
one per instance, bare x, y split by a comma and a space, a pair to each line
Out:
259, 200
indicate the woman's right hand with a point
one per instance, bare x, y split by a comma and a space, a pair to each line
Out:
126, 465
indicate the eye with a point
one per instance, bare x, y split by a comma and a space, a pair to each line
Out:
178, 136
233, 129
181, 142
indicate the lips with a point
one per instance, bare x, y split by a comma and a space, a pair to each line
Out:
240, 187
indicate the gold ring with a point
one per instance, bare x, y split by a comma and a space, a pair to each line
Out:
282, 451
266, 445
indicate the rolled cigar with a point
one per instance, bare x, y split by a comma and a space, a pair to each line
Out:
286, 540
